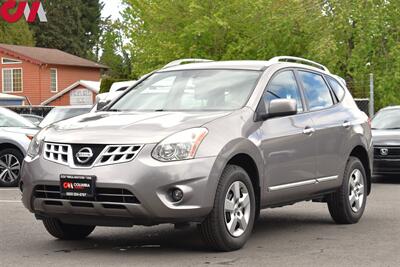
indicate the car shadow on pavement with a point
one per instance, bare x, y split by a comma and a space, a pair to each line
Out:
166, 239
387, 179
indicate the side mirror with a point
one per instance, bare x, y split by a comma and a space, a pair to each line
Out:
280, 108
102, 103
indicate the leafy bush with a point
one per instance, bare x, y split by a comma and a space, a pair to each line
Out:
106, 84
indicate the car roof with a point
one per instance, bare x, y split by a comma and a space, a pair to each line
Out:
391, 107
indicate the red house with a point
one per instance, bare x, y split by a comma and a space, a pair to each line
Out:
48, 76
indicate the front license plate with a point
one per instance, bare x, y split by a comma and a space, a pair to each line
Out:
77, 185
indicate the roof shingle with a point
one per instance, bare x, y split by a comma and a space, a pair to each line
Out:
51, 56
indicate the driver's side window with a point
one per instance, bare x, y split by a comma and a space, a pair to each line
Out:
284, 86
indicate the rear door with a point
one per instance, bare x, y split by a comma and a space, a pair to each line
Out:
288, 144
331, 126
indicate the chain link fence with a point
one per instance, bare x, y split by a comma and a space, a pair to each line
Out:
35, 110
361, 91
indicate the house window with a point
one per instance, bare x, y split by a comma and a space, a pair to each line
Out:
12, 80
5, 60
54, 80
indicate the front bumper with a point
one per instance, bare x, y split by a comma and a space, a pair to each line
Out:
386, 166
149, 180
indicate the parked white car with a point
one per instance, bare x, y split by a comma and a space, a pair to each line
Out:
16, 133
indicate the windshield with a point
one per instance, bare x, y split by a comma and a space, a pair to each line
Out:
59, 114
191, 90
387, 120
9, 118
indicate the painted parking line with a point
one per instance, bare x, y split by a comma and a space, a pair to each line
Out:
9, 189
10, 201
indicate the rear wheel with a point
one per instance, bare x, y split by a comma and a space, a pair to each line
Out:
230, 223
347, 204
67, 231
10, 167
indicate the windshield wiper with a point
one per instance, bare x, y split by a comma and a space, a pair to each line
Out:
113, 110
393, 128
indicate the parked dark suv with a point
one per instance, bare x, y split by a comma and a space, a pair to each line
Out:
210, 143
386, 139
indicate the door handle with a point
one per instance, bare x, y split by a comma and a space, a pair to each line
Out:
308, 131
346, 124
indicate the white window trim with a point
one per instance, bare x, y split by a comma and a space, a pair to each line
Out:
51, 89
12, 80
10, 63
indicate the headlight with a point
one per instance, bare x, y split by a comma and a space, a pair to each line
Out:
36, 144
180, 146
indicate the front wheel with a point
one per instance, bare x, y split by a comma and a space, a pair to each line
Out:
10, 167
347, 204
230, 223
67, 231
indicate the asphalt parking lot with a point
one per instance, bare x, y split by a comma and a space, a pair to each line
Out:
299, 235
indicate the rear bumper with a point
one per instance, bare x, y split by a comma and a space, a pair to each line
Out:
148, 180
386, 166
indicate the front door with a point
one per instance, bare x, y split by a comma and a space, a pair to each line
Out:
288, 144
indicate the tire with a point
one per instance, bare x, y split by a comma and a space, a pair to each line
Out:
343, 205
214, 228
67, 231
10, 167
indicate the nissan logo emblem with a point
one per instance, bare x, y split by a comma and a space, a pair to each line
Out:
84, 155
384, 151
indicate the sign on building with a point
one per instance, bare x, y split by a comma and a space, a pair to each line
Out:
81, 97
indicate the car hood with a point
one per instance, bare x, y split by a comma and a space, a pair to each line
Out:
126, 127
386, 137
18, 130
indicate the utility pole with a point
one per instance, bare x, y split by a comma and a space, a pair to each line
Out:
371, 96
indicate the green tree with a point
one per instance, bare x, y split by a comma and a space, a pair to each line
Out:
16, 33
73, 26
352, 38
114, 54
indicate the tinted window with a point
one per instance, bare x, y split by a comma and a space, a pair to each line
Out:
317, 92
337, 88
284, 85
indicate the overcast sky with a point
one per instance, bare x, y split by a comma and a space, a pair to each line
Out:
112, 8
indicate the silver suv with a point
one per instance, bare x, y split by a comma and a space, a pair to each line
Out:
209, 143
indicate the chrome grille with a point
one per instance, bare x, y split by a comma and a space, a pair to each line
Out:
57, 153
391, 152
118, 154
111, 154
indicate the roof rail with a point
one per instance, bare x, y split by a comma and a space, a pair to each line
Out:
299, 60
185, 61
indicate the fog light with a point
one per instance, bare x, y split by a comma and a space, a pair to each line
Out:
177, 194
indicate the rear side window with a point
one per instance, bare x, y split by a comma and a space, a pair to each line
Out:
317, 92
284, 85
337, 89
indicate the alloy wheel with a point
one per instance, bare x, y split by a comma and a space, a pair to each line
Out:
237, 209
356, 190
10, 168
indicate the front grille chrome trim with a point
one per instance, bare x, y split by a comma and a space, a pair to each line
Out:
111, 154
102, 195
